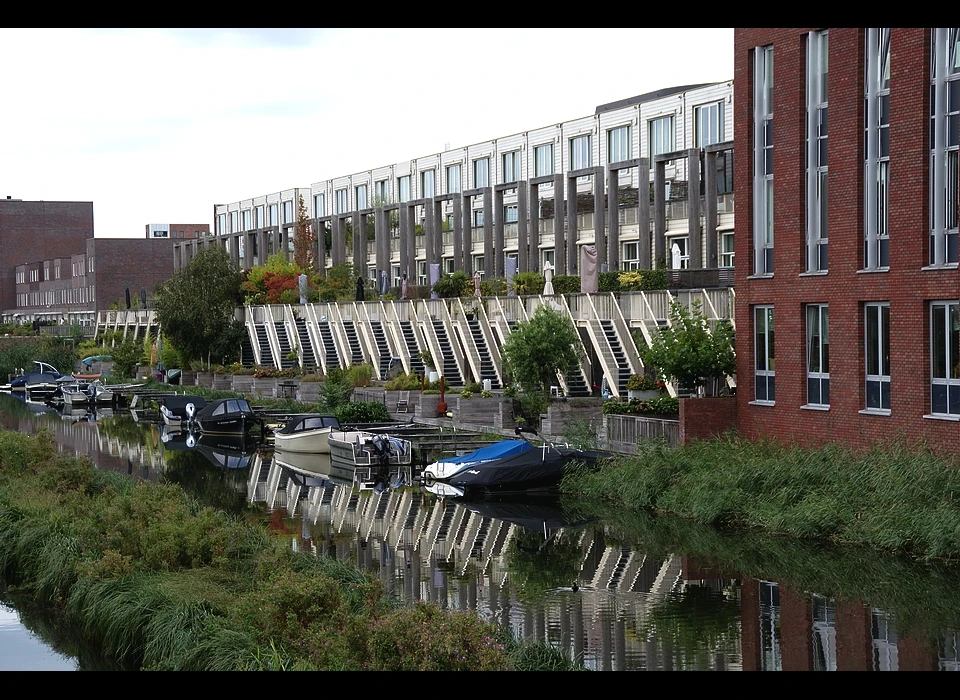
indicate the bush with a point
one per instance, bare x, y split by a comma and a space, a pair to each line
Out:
403, 382
608, 282
493, 288
528, 283
337, 390
450, 286
362, 412
466, 394
474, 387
486, 394
360, 375
566, 284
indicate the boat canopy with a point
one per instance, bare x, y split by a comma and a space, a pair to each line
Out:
299, 424
499, 450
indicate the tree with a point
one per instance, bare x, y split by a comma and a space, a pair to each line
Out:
304, 241
196, 307
688, 351
539, 348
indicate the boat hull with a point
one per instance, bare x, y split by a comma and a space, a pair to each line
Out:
308, 442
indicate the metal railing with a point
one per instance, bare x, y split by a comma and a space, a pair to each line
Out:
624, 431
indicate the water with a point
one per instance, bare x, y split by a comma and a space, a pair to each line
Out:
21, 650
622, 591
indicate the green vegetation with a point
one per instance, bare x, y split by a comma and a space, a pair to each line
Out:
155, 580
50, 349
895, 498
539, 348
362, 412
455, 285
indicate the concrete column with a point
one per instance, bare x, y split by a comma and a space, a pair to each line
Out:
263, 251
338, 249
457, 233
437, 211
382, 243
559, 242
404, 215
613, 221
498, 233
599, 233
321, 247
488, 264
534, 262
466, 211
360, 244
429, 234
694, 246
710, 208
523, 259
643, 214
234, 250
659, 215
572, 231
411, 244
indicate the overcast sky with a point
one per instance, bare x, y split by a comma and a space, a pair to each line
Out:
157, 126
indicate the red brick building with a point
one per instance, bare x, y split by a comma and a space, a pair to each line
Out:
177, 230
846, 234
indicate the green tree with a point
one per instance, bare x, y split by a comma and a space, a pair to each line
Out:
450, 286
688, 351
196, 307
539, 348
304, 241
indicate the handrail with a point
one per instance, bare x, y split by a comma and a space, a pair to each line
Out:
251, 325
630, 348
339, 334
390, 330
361, 323
272, 338
610, 368
430, 336
466, 337
316, 341
491, 342
583, 358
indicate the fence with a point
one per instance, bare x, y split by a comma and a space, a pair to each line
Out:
624, 432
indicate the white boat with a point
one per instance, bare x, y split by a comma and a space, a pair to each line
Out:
307, 433
359, 448
82, 393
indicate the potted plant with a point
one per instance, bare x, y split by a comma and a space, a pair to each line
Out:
643, 387
431, 368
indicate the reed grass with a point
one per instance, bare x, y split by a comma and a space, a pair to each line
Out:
898, 498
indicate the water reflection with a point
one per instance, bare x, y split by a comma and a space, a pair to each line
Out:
622, 591
21, 650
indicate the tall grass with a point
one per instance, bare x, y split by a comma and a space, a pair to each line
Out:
898, 498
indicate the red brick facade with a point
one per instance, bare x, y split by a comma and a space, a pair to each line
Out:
906, 285
701, 419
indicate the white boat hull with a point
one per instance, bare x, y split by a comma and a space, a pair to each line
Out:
307, 442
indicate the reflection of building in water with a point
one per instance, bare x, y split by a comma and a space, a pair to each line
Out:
428, 549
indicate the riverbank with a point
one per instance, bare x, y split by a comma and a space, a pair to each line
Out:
155, 580
900, 499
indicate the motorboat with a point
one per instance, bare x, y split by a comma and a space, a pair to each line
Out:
316, 465
509, 465
41, 372
41, 386
308, 433
228, 451
174, 409
222, 417
80, 393
360, 448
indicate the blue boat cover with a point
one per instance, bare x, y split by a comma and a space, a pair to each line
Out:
500, 450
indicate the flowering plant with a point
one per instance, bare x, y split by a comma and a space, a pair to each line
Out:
644, 382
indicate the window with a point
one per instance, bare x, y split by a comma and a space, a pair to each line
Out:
763, 354
478, 218
288, 212
381, 192
221, 224
618, 144
245, 220
478, 265
709, 121
548, 255
771, 656
481, 172
511, 166
726, 249
234, 222
543, 155
273, 215
885, 656
403, 188
421, 272
816, 231
511, 214
428, 183
395, 271
258, 215
876, 172
361, 193
453, 178
763, 161
342, 205
877, 330
679, 253
661, 136
944, 144
319, 205
630, 259
824, 634
580, 152
818, 356
945, 358
447, 266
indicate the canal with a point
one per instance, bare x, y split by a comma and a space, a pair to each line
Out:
622, 591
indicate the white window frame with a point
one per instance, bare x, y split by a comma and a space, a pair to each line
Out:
548, 255
428, 183
245, 220
234, 222
581, 152
319, 205
543, 160
709, 119
481, 172
288, 215
945, 358
258, 216
403, 188
727, 249
818, 355
764, 360
360, 192
817, 171
511, 166
683, 243
876, 352
273, 212
876, 173
662, 135
630, 255
619, 143
478, 265
381, 192
454, 178
221, 224
343, 201
763, 223
945, 154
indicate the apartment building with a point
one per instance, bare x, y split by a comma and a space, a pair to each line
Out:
471, 208
177, 230
848, 284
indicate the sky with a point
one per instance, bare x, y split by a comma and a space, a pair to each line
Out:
159, 125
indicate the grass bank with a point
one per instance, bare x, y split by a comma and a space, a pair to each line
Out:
152, 579
897, 498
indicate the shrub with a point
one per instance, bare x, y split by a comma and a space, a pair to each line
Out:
486, 394
449, 286
644, 382
337, 390
528, 283
466, 394
362, 412
608, 282
566, 284
474, 387
493, 288
360, 375
403, 382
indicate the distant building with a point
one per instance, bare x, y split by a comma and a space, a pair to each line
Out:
178, 231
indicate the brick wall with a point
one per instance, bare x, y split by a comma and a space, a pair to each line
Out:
122, 263
701, 419
906, 286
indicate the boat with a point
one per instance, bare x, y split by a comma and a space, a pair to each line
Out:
40, 372
228, 451
175, 410
315, 466
41, 386
309, 432
223, 417
359, 448
85, 394
509, 465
